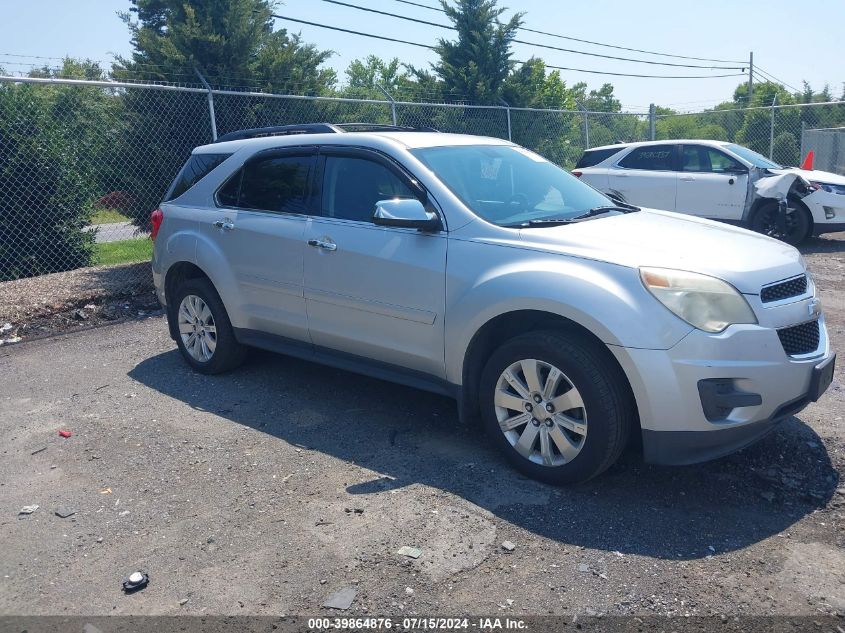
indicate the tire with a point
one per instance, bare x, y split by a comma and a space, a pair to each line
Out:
797, 228
581, 441
213, 332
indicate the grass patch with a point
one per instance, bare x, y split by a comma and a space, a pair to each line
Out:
108, 216
123, 252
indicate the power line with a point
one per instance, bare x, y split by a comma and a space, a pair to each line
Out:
337, 28
766, 73
538, 45
582, 41
582, 70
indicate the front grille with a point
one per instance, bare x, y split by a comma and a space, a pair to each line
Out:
784, 290
800, 339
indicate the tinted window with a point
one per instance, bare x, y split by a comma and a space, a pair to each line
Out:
707, 159
594, 156
197, 167
274, 183
352, 186
654, 157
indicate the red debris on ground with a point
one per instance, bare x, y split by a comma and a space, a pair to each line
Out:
64, 433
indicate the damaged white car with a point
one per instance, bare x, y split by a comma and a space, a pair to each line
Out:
722, 181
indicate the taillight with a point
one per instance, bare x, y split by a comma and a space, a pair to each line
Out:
577, 174
156, 218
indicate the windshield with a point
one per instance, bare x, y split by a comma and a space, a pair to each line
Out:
758, 160
509, 185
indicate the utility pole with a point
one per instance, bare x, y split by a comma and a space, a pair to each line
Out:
750, 77
652, 121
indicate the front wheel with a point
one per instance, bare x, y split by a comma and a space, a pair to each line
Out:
792, 228
555, 406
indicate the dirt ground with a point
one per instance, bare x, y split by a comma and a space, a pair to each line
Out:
266, 490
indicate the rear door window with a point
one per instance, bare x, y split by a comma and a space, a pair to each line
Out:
197, 168
279, 184
650, 157
593, 157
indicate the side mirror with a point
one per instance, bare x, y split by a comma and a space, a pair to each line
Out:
407, 213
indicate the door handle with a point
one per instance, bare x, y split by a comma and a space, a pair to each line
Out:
327, 246
687, 178
224, 225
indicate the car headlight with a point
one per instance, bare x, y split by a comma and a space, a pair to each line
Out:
705, 302
829, 187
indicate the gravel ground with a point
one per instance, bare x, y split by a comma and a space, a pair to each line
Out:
265, 490
35, 297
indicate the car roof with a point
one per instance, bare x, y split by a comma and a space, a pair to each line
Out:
674, 141
409, 140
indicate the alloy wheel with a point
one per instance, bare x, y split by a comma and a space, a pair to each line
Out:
197, 328
540, 412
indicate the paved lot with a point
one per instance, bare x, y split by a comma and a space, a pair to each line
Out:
265, 490
116, 232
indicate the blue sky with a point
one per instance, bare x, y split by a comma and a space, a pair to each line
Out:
723, 29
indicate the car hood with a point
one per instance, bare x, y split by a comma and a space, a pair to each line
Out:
663, 239
813, 174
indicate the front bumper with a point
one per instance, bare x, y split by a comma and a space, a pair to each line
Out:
828, 211
751, 358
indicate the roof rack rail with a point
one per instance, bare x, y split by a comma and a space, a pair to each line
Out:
380, 127
317, 128
280, 130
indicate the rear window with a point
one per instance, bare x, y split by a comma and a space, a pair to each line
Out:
594, 156
197, 167
652, 157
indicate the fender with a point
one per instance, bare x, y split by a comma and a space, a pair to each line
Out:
606, 299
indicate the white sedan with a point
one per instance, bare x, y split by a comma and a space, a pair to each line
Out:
722, 181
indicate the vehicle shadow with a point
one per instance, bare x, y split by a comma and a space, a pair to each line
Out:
829, 243
413, 437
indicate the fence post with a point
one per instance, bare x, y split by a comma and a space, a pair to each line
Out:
508, 111
392, 103
211, 114
772, 129
652, 123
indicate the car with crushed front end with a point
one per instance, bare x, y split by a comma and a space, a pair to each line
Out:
562, 321
719, 180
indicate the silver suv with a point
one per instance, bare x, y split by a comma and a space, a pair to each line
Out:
473, 267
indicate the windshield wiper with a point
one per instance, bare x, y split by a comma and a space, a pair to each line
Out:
605, 209
622, 208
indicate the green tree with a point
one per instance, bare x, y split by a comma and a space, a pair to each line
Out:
476, 66
57, 147
231, 42
365, 78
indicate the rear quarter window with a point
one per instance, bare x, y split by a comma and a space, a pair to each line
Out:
650, 157
593, 157
197, 168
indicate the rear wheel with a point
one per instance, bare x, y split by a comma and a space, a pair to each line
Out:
792, 229
555, 406
206, 338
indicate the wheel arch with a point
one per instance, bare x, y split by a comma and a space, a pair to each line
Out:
176, 274
792, 199
510, 324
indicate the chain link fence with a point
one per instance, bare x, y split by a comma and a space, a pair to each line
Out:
84, 162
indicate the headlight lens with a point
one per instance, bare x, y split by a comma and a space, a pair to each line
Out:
829, 187
705, 302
